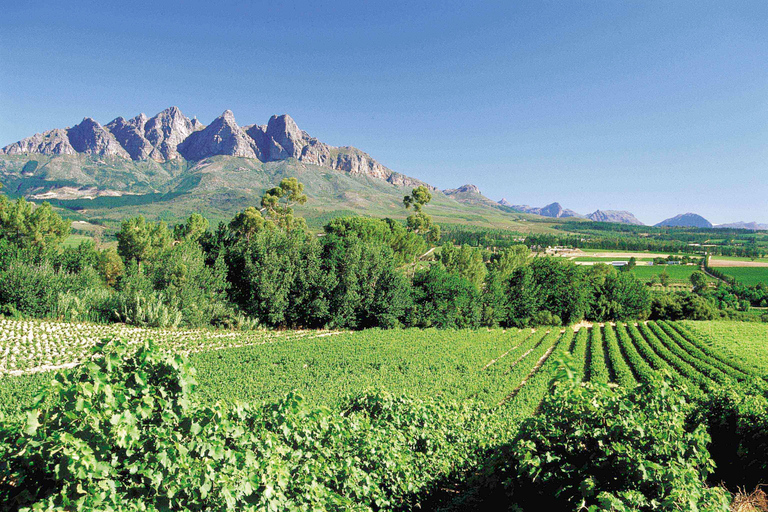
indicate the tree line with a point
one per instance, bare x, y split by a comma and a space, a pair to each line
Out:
265, 268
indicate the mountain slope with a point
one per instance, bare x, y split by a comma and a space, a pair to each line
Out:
688, 220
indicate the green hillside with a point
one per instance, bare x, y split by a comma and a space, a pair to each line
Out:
220, 186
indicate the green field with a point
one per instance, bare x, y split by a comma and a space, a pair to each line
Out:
325, 366
745, 340
365, 396
749, 276
677, 273
75, 240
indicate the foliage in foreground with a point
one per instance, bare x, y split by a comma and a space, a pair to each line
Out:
603, 449
124, 432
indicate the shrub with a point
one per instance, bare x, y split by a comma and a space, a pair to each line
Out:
628, 449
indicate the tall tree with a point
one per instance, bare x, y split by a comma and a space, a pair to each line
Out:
419, 222
139, 240
278, 202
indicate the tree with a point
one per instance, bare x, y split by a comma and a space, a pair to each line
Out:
405, 244
247, 223
139, 240
110, 266
194, 228
444, 300
278, 204
28, 226
664, 278
464, 261
419, 222
699, 281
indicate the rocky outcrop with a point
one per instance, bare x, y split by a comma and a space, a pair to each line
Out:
617, 216
130, 135
686, 220
91, 138
167, 130
222, 137
464, 189
52, 142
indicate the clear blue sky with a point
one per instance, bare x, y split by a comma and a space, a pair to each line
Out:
655, 107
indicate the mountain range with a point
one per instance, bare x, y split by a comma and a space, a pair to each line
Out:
557, 211
168, 165
170, 135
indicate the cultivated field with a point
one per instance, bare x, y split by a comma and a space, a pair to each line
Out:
749, 276
507, 370
744, 340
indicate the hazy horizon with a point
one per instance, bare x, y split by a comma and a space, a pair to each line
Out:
656, 109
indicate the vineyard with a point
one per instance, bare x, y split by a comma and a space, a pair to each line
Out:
508, 370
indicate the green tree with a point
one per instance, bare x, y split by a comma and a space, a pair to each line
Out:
664, 278
464, 261
192, 229
444, 300
405, 244
28, 226
139, 240
247, 223
278, 202
110, 266
699, 281
419, 222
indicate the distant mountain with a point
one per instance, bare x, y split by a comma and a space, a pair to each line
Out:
551, 210
170, 136
470, 194
617, 216
169, 165
754, 226
686, 220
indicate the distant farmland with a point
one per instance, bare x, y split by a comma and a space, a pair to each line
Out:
747, 275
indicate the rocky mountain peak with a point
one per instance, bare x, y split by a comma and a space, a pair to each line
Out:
284, 131
222, 137
90, 137
167, 130
464, 189
161, 137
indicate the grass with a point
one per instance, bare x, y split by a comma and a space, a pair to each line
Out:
738, 258
75, 240
749, 276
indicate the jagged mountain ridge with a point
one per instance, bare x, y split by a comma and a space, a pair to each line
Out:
554, 210
170, 135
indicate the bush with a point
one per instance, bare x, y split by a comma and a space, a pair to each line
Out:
31, 290
737, 416
444, 300
629, 449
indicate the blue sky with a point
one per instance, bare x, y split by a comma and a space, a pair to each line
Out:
658, 108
